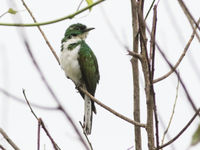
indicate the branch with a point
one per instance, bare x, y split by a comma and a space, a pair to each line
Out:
181, 132
42, 124
147, 77
52, 21
152, 57
91, 148
180, 59
22, 101
38, 138
173, 110
135, 70
111, 110
189, 98
48, 134
188, 14
44, 36
1, 147
3, 133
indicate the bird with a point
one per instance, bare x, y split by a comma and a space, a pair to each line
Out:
80, 65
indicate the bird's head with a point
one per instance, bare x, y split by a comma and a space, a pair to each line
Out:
77, 30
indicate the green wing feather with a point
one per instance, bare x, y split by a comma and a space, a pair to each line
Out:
89, 67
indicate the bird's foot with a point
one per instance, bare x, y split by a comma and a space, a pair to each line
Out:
78, 86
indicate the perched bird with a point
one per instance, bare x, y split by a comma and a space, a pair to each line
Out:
80, 65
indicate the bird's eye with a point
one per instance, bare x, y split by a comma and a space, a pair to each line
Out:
69, 37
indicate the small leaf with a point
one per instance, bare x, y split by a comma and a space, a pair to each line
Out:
12, 11
89, 2
196, 137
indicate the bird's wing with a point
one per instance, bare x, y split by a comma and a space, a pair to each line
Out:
89, 67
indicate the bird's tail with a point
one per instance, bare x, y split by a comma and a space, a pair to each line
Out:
87, 115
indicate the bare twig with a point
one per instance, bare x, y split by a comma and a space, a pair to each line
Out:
90, 144
23, 102
48, 134
79, 5
41, 31
41, 123
29, 104
1, 147
111, 110
188, 14
189, 98
171, 117
181, 132
181, 57
3, 133
1, 15
152, 57
38, 138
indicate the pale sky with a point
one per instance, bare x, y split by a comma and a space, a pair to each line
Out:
115, 88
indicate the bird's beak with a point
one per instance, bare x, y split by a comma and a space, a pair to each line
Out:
88, 29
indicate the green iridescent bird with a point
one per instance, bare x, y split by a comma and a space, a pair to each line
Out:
80, 65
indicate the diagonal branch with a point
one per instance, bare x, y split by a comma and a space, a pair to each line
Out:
172, 114
6, 93
39, 28
40, 122
180, 59
3, 133
181, 132
111, 110
188, 14
52, 21
189, 98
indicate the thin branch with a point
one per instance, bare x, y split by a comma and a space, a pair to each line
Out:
41, 31
48, 134
1, 147
180, 59
3, 133
171, 117
188, 14
23, 102
29, 104
3, 14
111, 110
181, 132
189, 98
91, 148
152, 57
38, 136
52, 21
150, 8
41, 123
79, 5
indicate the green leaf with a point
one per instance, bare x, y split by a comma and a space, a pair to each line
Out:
89, 2
196, 137
12, 11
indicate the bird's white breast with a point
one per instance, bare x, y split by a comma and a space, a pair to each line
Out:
69, 61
